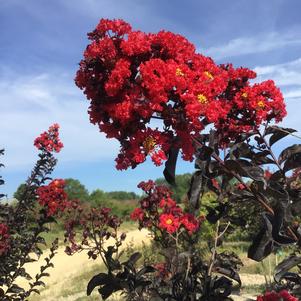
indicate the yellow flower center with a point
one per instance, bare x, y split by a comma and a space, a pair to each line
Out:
209, 75
244, 95
149, 143
169, 221
202, 98
179, 72
261, 104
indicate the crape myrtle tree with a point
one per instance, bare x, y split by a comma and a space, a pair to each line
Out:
156, 96
22, 224
132, 78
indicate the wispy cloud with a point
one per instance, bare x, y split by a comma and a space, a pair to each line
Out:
29, 104
251, 45
288, 77
287, 74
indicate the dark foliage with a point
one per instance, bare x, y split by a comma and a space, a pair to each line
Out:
24, 235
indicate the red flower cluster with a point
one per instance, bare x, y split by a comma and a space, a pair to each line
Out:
131, 77
53, 196
159, 210
49, 141
273, 296
4, 239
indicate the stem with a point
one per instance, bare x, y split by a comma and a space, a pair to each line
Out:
214, 249
271, 152
157, 117
99, 246
270, 270
264, 274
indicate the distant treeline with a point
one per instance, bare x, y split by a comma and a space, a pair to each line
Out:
121, 202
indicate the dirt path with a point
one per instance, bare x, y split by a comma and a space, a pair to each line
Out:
67, 267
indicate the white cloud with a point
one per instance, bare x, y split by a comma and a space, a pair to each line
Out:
287, 74
30, 104
251, 45
288, 77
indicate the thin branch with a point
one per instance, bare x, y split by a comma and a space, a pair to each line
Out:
214, 249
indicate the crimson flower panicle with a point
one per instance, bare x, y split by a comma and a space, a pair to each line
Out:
129, 77
49, 141
190, 223
169, 222
4, 239
137, 214
283, 295
53, 197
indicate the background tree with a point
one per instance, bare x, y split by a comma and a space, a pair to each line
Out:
122, 203
122, 195
76, 190
181, 188
20, 191
97, 197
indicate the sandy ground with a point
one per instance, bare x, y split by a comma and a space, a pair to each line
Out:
67, 267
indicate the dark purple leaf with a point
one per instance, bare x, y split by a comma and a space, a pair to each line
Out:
170, 166
195, 190
98, 280
292, 162
288, 152
283, 267
278, 133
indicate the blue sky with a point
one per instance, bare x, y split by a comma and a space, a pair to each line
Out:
42, 43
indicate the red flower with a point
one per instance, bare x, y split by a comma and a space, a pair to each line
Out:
240, 186
167, 203
267, 174
169, 222
137, 214
104, 48
49, 141
4, 239
53, 196
118, 76
147, 186
131, 77
273, 296
117, 26
215, 183
137, 43
190, 223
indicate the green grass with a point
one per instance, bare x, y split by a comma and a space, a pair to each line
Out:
57, 231
238, 247
253, 289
